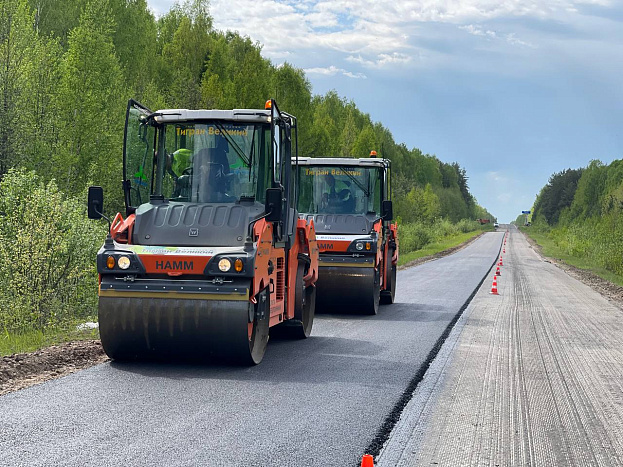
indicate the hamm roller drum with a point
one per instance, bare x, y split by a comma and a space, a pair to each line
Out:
197, 329
345, 289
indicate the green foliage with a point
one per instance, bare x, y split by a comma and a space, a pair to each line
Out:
420, 204
17, 38
579, 212
557, 195
47, 251
417, 235
91, 99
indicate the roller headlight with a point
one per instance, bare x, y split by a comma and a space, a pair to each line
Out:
359, 246
123, 262
224, 265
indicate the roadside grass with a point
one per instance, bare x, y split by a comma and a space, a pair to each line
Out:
29, 341
552, 250
436, 247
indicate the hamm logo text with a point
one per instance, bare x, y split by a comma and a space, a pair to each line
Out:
174, 265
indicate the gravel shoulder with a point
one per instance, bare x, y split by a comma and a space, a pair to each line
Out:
531, 376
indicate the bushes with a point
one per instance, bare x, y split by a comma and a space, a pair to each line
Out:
598, 239
416, 235
47, 255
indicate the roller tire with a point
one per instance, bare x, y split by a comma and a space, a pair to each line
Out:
372, 307
387, 296
154, 328
260, 333
304, 309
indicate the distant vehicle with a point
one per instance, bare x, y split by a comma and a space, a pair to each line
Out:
349, 202
496, 225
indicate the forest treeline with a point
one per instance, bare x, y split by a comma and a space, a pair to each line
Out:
582, 211
67, 70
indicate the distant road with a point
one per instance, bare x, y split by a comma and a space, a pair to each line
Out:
316, 402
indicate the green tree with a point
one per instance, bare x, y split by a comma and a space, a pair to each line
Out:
47, 246
40, 135
56, 17
17, 38
293, 94
92, 99
591, 187
135, 41
365, 142
557, 195
185, 55
349, 136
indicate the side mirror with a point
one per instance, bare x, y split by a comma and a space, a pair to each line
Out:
96, 202
388, 212
273, 204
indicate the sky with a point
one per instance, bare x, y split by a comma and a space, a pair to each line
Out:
512, 90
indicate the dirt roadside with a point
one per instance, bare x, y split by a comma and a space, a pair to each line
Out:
20, 371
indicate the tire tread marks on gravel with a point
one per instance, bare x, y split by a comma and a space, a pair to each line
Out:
536, 378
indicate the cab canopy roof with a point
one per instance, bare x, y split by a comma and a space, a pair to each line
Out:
345, 161
236, 115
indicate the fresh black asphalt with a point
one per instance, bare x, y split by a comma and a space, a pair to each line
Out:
320, 401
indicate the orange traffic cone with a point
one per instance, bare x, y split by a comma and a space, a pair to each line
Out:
497, 271
494, 287
367, 461
504, 251
500, 263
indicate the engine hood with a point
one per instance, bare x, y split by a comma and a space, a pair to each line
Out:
342, 223
192, 224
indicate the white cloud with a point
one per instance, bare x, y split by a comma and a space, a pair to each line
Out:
375, 33
381, 60
493, 35
478, 31
332, 71
496, 177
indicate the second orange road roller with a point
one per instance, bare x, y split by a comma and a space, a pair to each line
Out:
349, 201
211, 252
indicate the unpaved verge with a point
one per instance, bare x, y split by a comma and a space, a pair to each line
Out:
611, 291
19, 371
533, 378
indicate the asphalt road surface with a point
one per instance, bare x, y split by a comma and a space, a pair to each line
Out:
315, 402
533, 376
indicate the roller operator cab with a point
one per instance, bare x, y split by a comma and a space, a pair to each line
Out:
349, 202
211, 252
